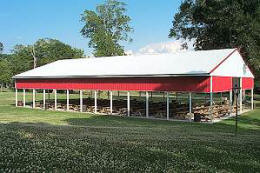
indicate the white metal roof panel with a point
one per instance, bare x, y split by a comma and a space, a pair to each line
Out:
182, 63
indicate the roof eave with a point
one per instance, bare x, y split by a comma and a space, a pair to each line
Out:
108, 76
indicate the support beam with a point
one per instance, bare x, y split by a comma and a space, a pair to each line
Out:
55, 99
24, 98
230, 100
221, 97
252, 99
95, 102
147, 104
111, 102
167, 106
16, 97
128, 103
211, 93
211, 98
44, 99
190, 103
241, 97
81, 100
68, 100
34, 98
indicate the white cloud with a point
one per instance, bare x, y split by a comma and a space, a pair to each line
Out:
129, 52
165, 47
159, 48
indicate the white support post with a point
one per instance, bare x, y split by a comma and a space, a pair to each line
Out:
147, 104
33, 98
95, 102
44, 100
68, 100
190, 103
23, 97
241, 97
128, 103
16, 97
230, 100
81, 100
221, 97
252, 99
111, 102
167, 105
211, 99
55, 99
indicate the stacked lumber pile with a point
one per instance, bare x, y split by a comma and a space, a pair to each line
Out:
178, 110
181, 111
137, 108
217, 111
157, 110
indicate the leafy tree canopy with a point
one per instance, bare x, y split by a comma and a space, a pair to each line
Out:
1, 47
106, 27
5, 72
50, 50
45, 51
216, 24
21, 59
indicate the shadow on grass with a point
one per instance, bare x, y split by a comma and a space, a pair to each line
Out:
39, 147
121, 144
108, 120
246, 124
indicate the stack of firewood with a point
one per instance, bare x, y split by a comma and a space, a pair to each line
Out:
178, 109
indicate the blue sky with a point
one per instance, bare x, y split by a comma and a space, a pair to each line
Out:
25, 21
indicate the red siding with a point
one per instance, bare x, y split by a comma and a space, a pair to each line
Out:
225, 83
193, 84
220, 84
247, 83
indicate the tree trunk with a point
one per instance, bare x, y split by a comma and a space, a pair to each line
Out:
34, 58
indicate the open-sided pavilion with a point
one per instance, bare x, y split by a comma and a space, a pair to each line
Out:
208, 72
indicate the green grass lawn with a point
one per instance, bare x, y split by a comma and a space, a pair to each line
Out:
37, 141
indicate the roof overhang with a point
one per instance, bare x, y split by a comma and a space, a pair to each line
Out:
109, 76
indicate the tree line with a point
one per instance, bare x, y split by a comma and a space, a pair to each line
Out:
213, 24
27, 57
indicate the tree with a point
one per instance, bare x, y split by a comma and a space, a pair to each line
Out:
5, 73
50, 50
1, 47
44, 51
21, 59
34, 57
106, 27
220, 24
